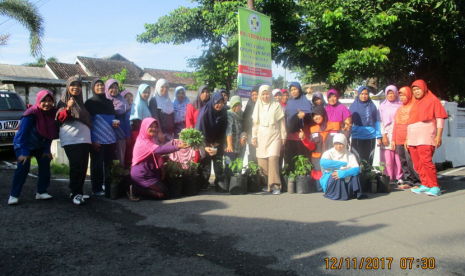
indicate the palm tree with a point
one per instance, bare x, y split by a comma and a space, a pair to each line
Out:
28, 15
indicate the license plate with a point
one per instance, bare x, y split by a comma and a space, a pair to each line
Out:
7, 134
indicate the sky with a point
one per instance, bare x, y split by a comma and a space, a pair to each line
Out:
102, 28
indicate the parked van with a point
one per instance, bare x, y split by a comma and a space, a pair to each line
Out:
12, 108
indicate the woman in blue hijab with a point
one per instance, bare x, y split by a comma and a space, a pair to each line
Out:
366, 127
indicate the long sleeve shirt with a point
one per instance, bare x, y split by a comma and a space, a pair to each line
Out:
366, 132
27, 138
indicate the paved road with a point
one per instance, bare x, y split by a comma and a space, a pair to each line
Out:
215, 234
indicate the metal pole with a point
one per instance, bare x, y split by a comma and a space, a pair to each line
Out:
250, 5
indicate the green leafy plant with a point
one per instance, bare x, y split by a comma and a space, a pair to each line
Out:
303, 166
116, 172
291, 176
120, 77
236, 166
191, 137
252, 168
192, 168
173, 169
379, 168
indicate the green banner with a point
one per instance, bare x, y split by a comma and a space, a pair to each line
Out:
254, 51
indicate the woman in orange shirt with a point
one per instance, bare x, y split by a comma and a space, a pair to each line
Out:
322, 132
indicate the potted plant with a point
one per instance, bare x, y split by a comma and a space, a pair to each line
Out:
284, 178
221, 181
302, 170
116, 174
174, 171
238, 181
191, 181
382, 180
291, 183
253, 177
191, 137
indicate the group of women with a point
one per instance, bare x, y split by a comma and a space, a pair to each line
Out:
276, 126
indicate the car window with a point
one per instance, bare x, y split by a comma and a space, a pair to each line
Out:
10, 102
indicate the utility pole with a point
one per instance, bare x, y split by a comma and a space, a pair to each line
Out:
250, 5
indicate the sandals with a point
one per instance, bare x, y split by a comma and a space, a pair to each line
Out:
404, 187
132, 197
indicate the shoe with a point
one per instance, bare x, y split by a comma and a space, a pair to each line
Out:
101, 193
78, 200
434, 191
83, 196
276, 192
265, 190
12, 200
423, 189
400, 182
43, 196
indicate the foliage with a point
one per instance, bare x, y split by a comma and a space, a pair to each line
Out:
303, 166
57, 169
40, 62
252, 168
212, 22
371, 171
116, 172
120, 77
279, 82
191, 168
192, 137
174, 169
27, 14
236, 166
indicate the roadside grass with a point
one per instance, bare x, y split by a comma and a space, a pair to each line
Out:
56, 169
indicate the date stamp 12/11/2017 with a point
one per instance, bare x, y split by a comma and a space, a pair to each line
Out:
369, 263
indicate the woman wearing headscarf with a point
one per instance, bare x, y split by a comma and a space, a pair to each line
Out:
225, 94
162, 110
298, 112
338, 112
389, 156
212, 122
102, 135
127, 95
234, 143
399, 136
180, 107
426, 122
366, 127
247, 125
277, 95
122, 114
147, 163
322, 132
340, 169
34, 137
75, 123
193, 109
269, 135
284, 98
140, 109
318, 99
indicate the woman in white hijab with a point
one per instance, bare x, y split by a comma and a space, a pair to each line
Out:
269, 122
340, 169
162, 110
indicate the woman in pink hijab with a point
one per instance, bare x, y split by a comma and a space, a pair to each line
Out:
147, 163
389, 156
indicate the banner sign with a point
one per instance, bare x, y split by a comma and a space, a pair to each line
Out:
254, 51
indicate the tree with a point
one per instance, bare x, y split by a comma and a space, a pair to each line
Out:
341, 42
120, 77
279, 82
28, 15
40, 61
214, 23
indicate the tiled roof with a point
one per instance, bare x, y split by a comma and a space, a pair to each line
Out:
25, 71
170, 76
99, 67
66, 70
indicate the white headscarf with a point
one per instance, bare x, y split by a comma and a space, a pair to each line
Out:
163, 102
344, 156
266, 114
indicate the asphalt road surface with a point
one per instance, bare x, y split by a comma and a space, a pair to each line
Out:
217, 234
